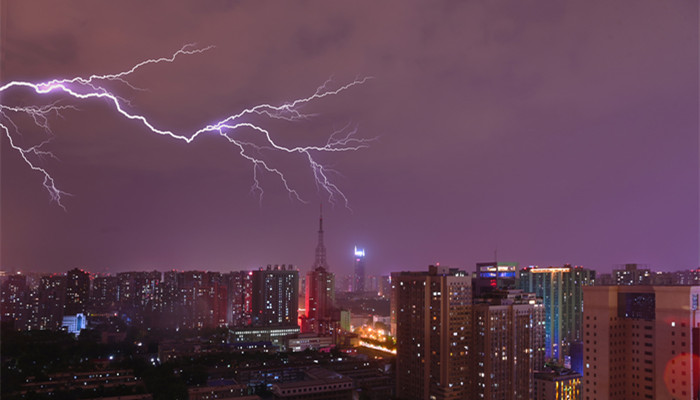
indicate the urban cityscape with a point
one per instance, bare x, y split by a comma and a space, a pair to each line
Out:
395, 200
500, 331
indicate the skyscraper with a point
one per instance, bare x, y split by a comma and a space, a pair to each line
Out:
508, 345
52, 291
275, 297
77, 291
320, 291
433, 327
641, 342
359, 281
561, 289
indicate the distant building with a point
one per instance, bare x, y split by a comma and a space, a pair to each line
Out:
359, 281
557, 384
14, 298
494, 275
320, 292
274, 296
240, 298
74, 323
632, 275
220, 389
641, 342
77, 292
561, 289
104, 296
508, 345
52, 290
317, 383
432, 312
320, 299
304, 341
274, 335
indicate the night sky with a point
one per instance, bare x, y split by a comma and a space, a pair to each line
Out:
555, 132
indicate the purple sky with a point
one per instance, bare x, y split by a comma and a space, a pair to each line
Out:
553, 131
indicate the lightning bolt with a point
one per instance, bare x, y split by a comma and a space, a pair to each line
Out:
95, 87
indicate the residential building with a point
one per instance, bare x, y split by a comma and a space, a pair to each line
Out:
641, 342
275, 297
433, 326
507, 346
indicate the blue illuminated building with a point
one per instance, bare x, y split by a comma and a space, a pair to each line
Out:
494, 275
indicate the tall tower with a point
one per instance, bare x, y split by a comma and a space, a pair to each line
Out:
359, 282
320, 290
320, 247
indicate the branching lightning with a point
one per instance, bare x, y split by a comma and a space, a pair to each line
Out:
95, 87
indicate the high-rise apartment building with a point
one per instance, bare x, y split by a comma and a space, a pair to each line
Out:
561, 289
240, 300
433, 326
52, 291
641, 342
508, 345
359, 281
105, 294
77, 292
632, 275
275, 297
15, 293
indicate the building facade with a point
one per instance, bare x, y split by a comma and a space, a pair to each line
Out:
561, 290
275, 297
641, 342
433, 326
508, 345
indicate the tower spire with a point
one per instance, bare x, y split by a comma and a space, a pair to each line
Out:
320, 247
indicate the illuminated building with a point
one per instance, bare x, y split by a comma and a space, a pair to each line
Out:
137, 288
320, 297
74, 323
77, 291
274, 335
508, 345
275, 297
320, 292
433, 326
240, 301
557, 384
492, 276
561, 290
632, 275
359, 281
641, 342
52, 291
14, 298
105, 293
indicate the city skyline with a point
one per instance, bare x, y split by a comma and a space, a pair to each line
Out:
501, 129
